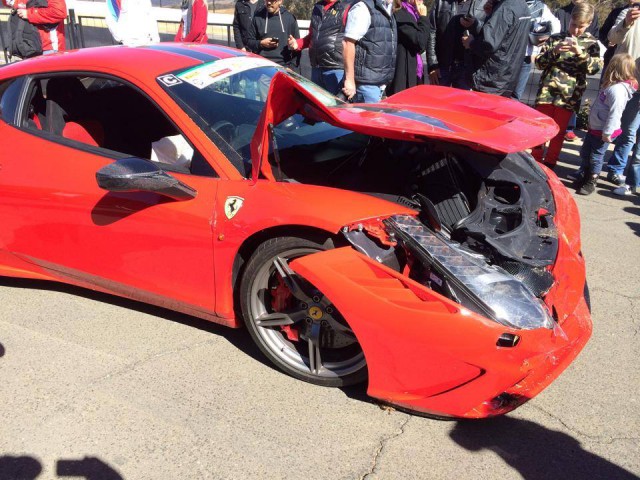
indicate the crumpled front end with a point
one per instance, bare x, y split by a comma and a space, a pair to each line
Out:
446, 332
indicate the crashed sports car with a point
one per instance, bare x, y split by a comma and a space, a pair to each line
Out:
410, 244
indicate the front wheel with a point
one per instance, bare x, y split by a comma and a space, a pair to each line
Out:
293, 323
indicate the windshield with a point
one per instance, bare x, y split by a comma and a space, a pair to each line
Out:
226, 97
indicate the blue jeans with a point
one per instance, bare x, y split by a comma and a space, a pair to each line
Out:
633, 171
457, 75
523, 78
330, 80
592, 154
627, 139
369, 93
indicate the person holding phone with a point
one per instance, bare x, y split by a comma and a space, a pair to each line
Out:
498, 46
271, 27
565, 60
448, 62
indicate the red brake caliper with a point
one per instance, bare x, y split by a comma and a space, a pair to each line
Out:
281, 299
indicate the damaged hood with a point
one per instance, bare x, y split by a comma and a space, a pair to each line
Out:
484, 122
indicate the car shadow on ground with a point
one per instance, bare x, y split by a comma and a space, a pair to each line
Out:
29, 468
534, 451
238, 337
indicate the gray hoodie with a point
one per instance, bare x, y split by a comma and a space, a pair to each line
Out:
606, 111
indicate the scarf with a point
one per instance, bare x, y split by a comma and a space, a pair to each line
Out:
414, 13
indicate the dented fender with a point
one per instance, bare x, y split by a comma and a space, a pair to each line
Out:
425, 352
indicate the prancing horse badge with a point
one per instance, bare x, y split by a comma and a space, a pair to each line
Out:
232, 206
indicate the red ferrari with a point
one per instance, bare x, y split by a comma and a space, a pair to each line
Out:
410, 244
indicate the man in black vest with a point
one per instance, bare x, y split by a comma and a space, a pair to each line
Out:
324, 42
369, 50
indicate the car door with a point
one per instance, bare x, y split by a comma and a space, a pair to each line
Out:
138, 244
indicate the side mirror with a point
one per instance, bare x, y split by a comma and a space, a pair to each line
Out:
138, 175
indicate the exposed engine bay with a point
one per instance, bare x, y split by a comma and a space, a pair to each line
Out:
486, 210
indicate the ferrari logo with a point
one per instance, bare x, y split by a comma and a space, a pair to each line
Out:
232, 206
315, 313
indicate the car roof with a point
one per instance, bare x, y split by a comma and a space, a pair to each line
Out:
145, 63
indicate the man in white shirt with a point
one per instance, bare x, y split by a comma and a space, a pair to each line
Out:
369, 50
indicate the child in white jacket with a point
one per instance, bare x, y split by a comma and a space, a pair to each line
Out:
618, 85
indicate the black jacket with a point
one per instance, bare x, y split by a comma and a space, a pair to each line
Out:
499, 47
375, 61
242, 21
279, 25
412, 41
444, 30
564, 15
327, 31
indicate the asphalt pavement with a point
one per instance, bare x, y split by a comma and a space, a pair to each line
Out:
97, 387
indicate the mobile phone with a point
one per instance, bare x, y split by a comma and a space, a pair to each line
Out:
275, 40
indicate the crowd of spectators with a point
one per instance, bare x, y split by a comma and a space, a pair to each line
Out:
366, 49
363, 50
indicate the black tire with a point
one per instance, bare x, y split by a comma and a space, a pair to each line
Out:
322, 351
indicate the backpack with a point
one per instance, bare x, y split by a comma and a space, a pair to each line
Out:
24, 36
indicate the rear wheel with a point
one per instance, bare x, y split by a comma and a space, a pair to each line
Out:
292, 322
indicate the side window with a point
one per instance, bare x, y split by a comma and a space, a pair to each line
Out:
9, 98
107, 114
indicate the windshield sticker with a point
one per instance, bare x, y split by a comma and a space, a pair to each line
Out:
170, 80
204, 75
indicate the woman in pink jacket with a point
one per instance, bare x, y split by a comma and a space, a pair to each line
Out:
193, 26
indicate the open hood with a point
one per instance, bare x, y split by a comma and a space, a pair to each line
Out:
484, 122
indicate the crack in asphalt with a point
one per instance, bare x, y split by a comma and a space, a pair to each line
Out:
383, 443
617, 294
132, 366
596, 438
564, 424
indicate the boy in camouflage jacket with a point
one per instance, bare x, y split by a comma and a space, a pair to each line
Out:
565, 60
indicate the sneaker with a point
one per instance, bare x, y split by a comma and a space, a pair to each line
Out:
624, 190
616, 179
589, 186
570, 136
